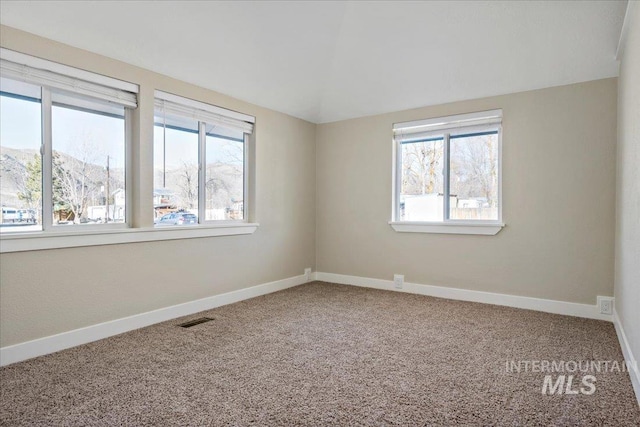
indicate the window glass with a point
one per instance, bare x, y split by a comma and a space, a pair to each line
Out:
224, 174
176, 162
20, 159
421, 192
88, 161
474, 176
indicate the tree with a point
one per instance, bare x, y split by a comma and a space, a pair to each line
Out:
189, 184
224, 173
422, 167
79, 178
474, 168
32, 189
31, 192
69, 189
224, 184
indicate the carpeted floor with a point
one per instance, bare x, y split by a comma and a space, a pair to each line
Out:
325, 354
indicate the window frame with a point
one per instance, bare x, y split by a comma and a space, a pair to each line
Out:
202, 167
202, 179
46, 161
47, 172
444, 127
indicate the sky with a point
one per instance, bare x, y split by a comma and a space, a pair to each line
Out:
79, 133
19, 123
90, 136
74, 132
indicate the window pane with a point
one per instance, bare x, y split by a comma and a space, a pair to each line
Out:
421, 194
175, 194
20, 160
88, 170
224, 175
474, 176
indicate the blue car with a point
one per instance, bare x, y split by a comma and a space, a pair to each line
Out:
178, 218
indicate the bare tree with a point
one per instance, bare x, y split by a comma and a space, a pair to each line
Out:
224, 177
188, 184
422, 167
474, 168
78, 176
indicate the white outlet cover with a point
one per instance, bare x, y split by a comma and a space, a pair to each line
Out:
605, 305
398, 280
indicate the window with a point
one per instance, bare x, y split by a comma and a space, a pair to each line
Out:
447, 174
224, 174
175, 164
20, 159
88, 161
200, 162
66, 170
63, 149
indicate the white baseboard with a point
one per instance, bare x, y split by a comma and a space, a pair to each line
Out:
634, 373
51, 344
546, 305
27, 350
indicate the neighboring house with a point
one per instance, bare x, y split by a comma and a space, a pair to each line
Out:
116, 210
163, 201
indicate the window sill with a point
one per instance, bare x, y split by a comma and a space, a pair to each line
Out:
55, 240
481, 228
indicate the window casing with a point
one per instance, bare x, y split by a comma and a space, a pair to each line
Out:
447, 174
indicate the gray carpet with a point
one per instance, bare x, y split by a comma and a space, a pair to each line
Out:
325, 354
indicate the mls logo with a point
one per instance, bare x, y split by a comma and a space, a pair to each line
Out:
564, 385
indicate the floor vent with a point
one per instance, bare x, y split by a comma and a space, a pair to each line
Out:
195, 322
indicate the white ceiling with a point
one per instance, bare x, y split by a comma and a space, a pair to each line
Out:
327, 61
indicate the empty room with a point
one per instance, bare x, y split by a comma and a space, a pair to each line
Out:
309, 213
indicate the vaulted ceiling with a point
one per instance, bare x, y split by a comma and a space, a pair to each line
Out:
327, 61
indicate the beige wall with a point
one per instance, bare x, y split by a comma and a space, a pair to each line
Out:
627, 281
48, 292
323, 199
559, 148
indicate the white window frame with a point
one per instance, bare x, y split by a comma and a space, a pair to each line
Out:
46, 153
54, 237
444, 127
206, 114
202, 181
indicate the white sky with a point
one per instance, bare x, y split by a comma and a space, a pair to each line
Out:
76, 133
79, 133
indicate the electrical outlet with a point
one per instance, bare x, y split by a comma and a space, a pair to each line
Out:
398, 281
307, 273
605, 304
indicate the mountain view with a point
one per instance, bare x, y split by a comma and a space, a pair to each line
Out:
80, 186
